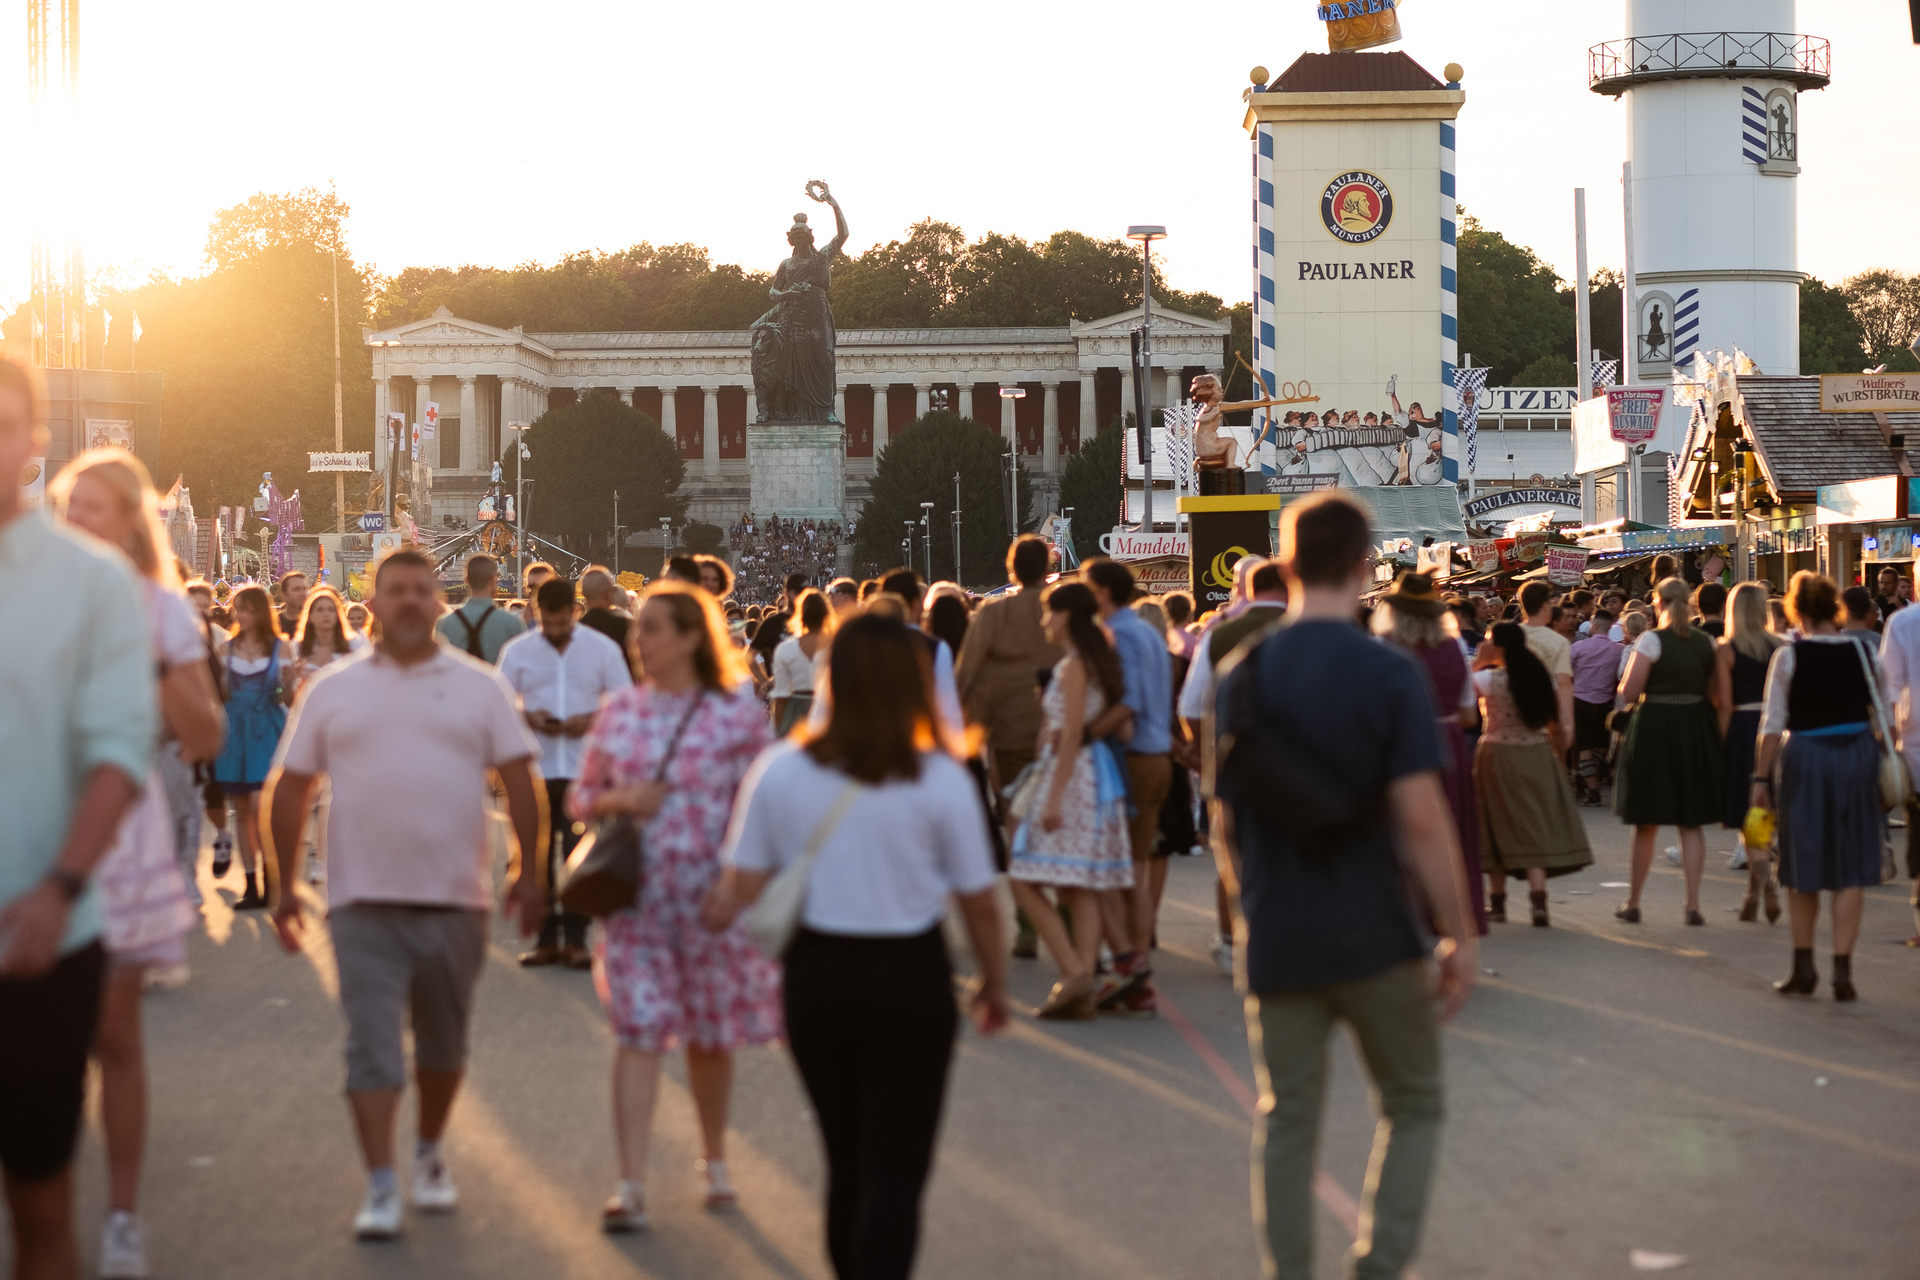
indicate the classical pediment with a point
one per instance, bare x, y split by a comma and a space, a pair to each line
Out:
444, 326
1164, 321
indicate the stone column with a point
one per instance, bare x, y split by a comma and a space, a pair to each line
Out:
753, 407
626, 394
922, 398
1050, 427
1089, 411
879, 418
1174, 389
966, 399
1009, 430
710, 433
839, 402
669, 419
1126, 393
469, 426
381, 399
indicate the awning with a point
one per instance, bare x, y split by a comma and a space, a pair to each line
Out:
1413, 511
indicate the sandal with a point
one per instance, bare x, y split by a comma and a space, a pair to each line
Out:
720, 1192
625, 1210
1070, 999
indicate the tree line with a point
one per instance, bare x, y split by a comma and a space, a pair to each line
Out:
247, 354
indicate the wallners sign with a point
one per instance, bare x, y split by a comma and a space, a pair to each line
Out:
1356, 207
1401, 270
1869, 392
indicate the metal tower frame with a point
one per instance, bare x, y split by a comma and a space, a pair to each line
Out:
58, 298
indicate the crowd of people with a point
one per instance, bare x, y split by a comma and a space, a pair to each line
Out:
768, 550
749, 822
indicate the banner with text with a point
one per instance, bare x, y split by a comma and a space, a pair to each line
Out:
1870, 392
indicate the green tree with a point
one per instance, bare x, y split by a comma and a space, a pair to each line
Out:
900, 284
1886, 303
1829, 334
917, 466
583, 452
1511, 311
702, 538
1090, 484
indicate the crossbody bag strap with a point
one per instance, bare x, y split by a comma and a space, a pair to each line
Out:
825, 828
1876, 705
673, 743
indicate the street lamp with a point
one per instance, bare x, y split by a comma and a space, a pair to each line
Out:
956, 528
618, 529
906, 547
380, 432
926, 536
1142, 388
520, 455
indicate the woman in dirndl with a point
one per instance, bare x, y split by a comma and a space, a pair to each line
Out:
795, 660
1671, 763
1530, 822
1414, 617
1744, 654
143, 890
1817, 768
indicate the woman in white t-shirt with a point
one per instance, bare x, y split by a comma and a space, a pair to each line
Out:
143, 891
899, 832
793, 662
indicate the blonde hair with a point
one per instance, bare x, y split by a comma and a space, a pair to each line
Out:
1748, 619
1635, 625
1675, 597
1153, 614
717, 663
1414, 631
147, 546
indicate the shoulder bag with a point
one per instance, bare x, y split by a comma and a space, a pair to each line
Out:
604, 874
1896, 783
775, 915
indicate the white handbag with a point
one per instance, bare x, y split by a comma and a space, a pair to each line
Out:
775, 915
1896, 782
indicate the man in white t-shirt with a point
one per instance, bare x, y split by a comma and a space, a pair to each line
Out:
561, 673
407, 734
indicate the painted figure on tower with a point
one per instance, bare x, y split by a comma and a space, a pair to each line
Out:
793, 369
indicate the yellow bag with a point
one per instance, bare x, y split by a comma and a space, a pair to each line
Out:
1758, 829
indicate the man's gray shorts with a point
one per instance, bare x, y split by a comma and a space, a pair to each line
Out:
391, 958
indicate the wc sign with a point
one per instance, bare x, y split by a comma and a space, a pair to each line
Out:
1633, 413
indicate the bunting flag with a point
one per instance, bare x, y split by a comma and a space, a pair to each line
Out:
1179, 420
1604, 372
1470, 388
136, 327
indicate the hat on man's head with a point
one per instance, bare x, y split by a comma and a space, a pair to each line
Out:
1414, 592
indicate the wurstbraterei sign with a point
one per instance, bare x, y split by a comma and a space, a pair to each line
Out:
1869, 392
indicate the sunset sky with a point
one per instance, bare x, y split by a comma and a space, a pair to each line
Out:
500, 133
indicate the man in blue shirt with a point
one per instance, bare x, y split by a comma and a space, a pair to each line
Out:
1325, 765
1148, 670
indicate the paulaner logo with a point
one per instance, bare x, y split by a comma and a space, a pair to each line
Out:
1356, 207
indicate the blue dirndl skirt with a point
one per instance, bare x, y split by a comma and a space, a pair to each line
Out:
1827, 797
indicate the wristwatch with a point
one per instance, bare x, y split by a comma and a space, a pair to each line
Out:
71, 884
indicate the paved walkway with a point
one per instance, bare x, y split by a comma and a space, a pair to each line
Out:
1610, 1088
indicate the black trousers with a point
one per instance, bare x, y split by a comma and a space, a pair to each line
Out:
560, 927
871, 1023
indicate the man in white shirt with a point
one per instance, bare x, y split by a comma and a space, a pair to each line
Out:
1900, 659
561, 673
407, 733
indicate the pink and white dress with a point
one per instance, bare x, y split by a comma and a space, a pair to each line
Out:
664, 979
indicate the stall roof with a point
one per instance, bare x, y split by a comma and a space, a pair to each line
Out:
1413, 511
1803, 448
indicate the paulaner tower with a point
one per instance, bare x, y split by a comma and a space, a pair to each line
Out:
1712, 92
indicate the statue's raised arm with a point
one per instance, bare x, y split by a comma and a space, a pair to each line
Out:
818, 190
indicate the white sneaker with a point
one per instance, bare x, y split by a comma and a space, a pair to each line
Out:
1223, 954
433, 1189
123, 1247
379, 1216
720, 1192
1737, 860
625, 1210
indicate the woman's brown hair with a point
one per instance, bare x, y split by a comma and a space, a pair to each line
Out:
881, 687
339, 621
1812, 598
716, 662
1075, 600
266, 623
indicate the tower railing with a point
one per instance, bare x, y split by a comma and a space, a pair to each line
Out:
1618, 65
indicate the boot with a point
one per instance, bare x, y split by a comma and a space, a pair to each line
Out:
1804, 977
1843, 979
1497, 908
1538, 897
1750, 905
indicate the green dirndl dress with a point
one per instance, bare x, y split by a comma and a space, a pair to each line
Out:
1672, 764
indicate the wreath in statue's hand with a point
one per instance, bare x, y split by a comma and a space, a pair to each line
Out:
817, 190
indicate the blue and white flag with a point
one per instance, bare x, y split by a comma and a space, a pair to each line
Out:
1470, 387
1604, 372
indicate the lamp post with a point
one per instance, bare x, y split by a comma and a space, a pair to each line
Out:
1142, 384
906, 547
520, 455
926, 536
617, 529
956, 528
383, 344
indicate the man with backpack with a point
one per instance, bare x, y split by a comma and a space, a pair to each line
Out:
478, 628
1326, 766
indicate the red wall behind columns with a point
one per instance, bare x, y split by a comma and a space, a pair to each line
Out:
733, 422
860, 422
1069, 417
689, 409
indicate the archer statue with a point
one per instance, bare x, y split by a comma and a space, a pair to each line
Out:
793, 370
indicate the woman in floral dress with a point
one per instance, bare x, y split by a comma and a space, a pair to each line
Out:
1073, 831
671, 751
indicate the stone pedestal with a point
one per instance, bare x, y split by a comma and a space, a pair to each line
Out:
799, 471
